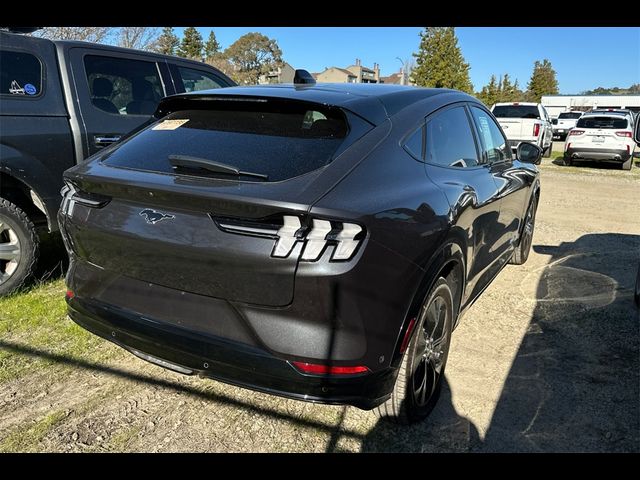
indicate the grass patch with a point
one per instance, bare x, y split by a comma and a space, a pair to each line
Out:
556, 163
38, 318
121, 440
26, 438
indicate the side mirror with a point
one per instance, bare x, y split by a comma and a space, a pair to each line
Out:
529, 153
636, 131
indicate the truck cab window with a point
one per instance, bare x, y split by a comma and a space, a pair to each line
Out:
122, 86
20, 74
196, 80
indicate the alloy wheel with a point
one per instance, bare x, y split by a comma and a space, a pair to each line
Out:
431, 349
9, 252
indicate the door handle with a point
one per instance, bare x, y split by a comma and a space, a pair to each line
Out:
105, 140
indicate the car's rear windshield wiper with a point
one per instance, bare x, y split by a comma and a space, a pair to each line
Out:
187, 161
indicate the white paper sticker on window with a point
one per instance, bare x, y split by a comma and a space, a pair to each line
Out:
170, 124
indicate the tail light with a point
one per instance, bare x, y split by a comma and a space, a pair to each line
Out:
69, 295
624, 134
71, 195
568, 146
536, 130
575, 132
319, 369
316, 234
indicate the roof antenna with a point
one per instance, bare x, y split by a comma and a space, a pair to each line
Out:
302, 77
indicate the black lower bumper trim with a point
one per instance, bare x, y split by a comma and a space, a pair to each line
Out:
607, 155
230, 362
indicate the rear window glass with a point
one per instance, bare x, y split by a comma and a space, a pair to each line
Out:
602, 122
20, 74
278, 139
516, 111
570, 115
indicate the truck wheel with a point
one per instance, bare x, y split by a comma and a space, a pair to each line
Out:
547, 152
628, 164
568, 161
419, 381
19, 246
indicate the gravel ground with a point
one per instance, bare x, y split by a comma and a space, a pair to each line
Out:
548, 359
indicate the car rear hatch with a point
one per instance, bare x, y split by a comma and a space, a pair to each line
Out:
601, 132
212, 198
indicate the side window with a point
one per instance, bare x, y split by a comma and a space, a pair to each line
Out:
20, 74
495, 147
123, 86
415, 143
449, 140
195, 80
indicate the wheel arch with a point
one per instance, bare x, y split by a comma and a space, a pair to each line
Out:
448, 261
21, 194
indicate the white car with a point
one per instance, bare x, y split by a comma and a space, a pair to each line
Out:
565, 122
603, 137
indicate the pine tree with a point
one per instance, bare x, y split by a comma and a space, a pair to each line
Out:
252, 55
167, 42
440, 62
191, 45
212, 47
489, 93
543, 81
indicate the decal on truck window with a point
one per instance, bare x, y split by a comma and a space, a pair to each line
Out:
15, 88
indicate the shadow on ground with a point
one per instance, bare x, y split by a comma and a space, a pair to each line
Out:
559, 161
574, 385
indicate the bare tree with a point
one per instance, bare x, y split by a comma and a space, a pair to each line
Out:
87, 34
141, 38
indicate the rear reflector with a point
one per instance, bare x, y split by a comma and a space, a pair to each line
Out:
576, 132
317, 369
624, 134
70, 294
407, 335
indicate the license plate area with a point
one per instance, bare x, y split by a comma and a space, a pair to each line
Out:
161, 363
597, 139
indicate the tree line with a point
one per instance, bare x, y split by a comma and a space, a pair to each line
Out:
440, 64
245, 60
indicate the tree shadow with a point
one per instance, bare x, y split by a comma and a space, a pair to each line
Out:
574, 385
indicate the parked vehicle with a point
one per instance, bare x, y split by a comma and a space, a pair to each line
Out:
59, 103
243, 237
565, 122
636, 291
525, 122
602, 137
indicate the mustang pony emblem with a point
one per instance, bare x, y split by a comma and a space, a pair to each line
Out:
154, 217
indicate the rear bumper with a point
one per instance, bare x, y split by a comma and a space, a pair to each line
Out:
228, 361
586, 153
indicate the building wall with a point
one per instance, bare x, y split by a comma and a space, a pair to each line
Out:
556, 104
332, 75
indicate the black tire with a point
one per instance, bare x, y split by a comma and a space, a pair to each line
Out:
521, 253
424, 361
21, 246
567, 161
628, 164
547, 153
636, 292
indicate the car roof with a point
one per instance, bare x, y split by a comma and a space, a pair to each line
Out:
605, 114
374, 102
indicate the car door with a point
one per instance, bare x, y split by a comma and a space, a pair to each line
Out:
116, 93
510, 177
453, 161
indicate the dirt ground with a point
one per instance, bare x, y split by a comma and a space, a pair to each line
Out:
548, 359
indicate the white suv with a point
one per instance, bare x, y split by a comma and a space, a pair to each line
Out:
601, 136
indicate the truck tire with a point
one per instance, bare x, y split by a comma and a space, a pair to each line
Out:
547, 152
19, 247
628, 164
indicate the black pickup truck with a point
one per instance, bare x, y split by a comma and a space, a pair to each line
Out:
60, 102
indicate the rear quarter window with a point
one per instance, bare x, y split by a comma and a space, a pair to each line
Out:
279, 139
20, 74
602, 122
